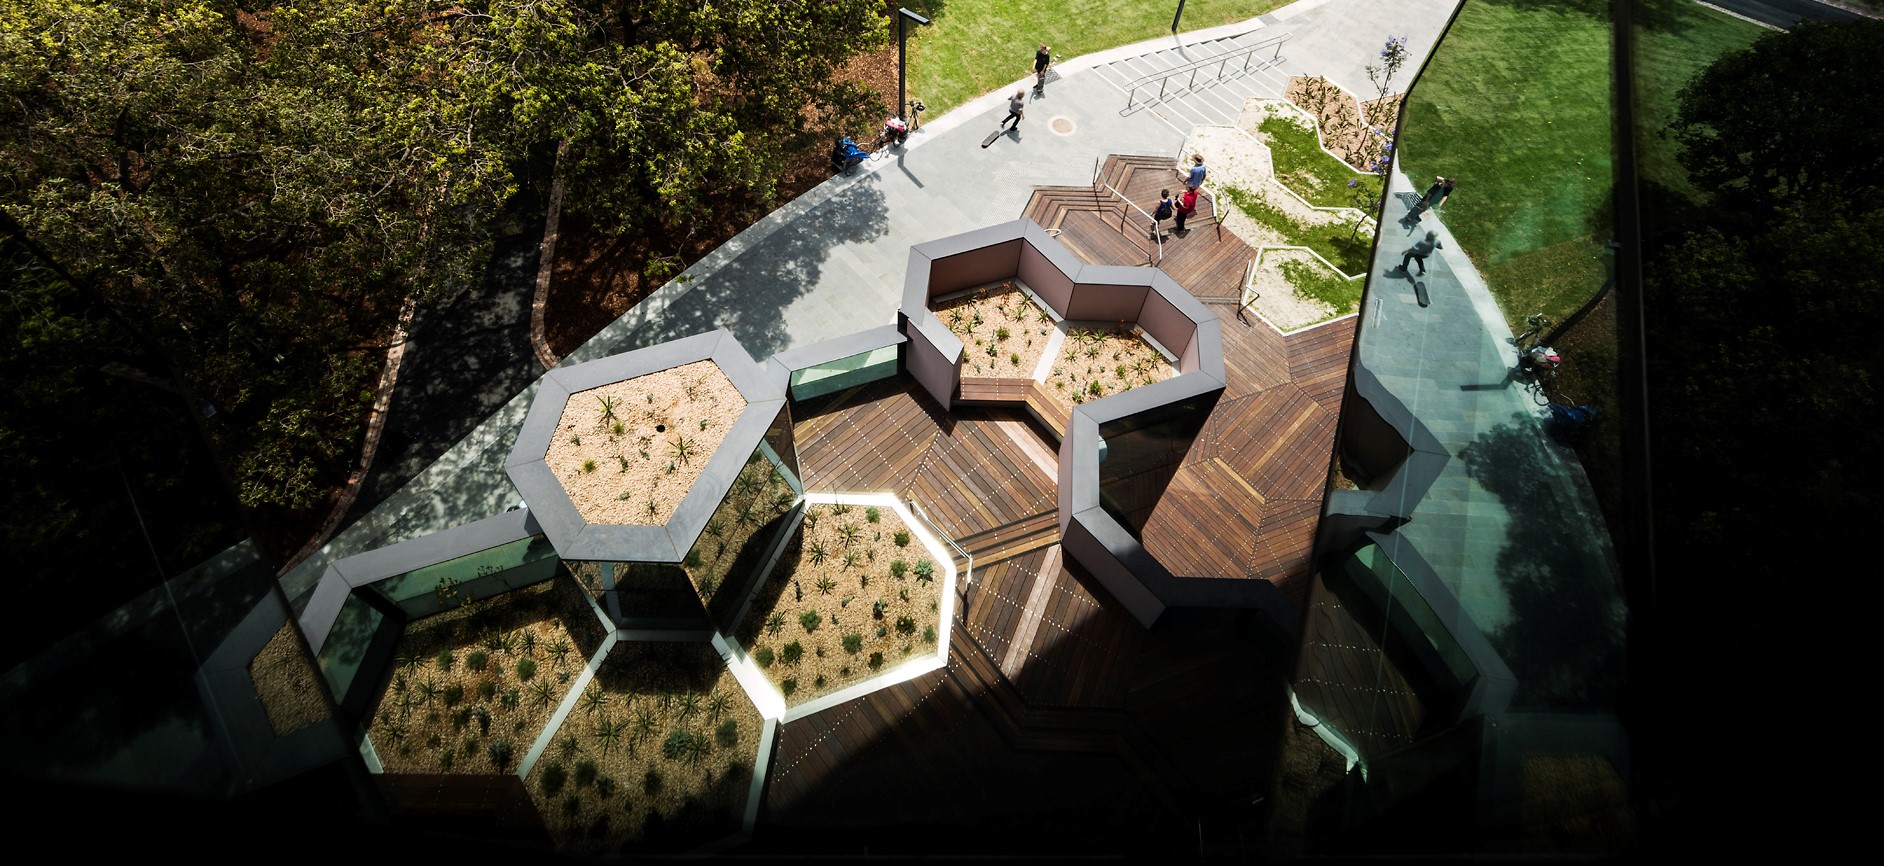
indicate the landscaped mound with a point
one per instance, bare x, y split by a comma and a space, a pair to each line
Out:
472, 688
627, 452
852, 595
657, 755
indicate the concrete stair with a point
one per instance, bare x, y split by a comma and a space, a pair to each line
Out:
1248, 65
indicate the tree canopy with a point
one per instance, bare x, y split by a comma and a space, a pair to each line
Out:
262, 187
1792, 116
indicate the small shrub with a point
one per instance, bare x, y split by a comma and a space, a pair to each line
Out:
585, 772
499, 752
901, 538
526, 668
693, 558
588, 465
793, 652
727, 734
876, 661
454, 694
675, 745
925, 570
487, 690
477, 660
819, 682
898, 568
905, 625
604, 787
553, 778
788, 687
651, 783
928, 634
572, 806
873, 514
810, 620
763, 655
446, 758
511, 699
853, 642
444, 660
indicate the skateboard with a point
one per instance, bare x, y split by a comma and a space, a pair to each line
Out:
991, 137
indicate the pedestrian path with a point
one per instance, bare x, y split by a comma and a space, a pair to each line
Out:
831, 262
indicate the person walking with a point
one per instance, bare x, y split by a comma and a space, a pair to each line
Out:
1015, 104
1162, 212
1195, 178
1042, 59
1420, 251
1435, 196
1186, 205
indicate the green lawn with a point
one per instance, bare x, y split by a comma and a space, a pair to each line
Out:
975, 46
1315, 282
1685, 38
1301, 164
1338, 243
1515, 104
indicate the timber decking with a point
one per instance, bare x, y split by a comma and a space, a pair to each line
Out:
1349, 681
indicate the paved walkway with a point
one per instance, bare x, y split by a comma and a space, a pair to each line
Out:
831, 262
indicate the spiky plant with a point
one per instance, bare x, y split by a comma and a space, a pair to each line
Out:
541, 693
718, 704
594, 699
819, 553
608, 734
689, 705
826, 584
682, 449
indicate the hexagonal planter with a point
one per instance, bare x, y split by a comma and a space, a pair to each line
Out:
666, 474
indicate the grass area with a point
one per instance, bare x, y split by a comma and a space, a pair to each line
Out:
1337, 243
1682, 38
1309, 170
1316, 283
1516, 105
975, 46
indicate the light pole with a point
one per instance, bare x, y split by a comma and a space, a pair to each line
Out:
1180, 14
903, 17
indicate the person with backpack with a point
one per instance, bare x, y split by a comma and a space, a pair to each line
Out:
1186, 205
1161, 213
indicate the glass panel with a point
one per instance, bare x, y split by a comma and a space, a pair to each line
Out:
428, 590
348, 643
724, 563
1395, 594
879, 363
1141, 453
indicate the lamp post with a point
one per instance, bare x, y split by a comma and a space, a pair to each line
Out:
1180, 14
903, 17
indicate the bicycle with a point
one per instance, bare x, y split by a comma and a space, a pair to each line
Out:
1537, 363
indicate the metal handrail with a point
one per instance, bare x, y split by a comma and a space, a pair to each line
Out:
1158, 235
1222, 60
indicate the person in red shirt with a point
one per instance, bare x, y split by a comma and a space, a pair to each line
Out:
1186, 205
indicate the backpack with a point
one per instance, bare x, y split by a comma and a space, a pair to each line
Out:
1163, 212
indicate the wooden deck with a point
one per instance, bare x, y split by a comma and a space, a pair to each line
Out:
1055, 701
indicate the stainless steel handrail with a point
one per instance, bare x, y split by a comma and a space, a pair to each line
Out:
1222, 60
968, 577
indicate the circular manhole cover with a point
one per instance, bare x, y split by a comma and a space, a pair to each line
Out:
1062, 125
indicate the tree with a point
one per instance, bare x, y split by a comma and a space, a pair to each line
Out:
260, 192
1791, 116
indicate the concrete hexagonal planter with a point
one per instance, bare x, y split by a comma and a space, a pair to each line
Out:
664, 475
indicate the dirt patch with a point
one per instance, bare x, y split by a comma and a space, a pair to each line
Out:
460, 698
658, 754
1339, 114
1004, 333
1099, 362
628, 452
848, 597
287, 684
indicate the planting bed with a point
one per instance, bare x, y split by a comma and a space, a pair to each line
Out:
1095, 362
1004, 332
657, 755
472, 688
838, 608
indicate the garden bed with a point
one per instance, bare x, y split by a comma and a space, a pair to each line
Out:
472, 688
627, 453
1338, 113
1295, 290
1004, 332
657, 754
1299, 160
1103, 360
845, 602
